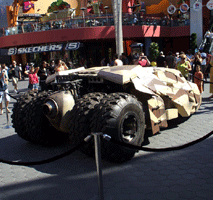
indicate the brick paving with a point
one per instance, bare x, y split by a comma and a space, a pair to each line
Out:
183, 174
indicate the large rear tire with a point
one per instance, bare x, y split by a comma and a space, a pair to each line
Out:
120, 116
80, 116
40, 130
19, 116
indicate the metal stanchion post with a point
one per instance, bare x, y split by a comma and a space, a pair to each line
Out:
97, 141
5, 100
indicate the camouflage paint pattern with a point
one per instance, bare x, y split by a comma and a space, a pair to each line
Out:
167, 93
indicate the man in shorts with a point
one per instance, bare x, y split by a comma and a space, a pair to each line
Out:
16, 75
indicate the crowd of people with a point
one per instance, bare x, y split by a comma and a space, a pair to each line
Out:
194, 67
37, 77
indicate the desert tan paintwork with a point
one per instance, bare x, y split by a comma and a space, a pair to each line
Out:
167, 92
64, 103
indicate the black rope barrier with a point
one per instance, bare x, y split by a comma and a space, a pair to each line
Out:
160, 149
201, 79
46, 160
109, 139
9, 94
12, 96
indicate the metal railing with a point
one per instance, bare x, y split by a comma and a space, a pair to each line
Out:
93, 21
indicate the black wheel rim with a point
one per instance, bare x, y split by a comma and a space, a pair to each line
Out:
129, 127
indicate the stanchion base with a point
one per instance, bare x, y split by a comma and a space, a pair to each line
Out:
7, 127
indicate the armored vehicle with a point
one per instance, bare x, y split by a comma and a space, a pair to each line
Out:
120, 101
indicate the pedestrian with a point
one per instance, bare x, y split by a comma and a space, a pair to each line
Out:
112, 62
204, 62
125, 59
33, 78
117, 61
43, 73
207, 41
208, 66
16, 76
177, 57
143, 60
170, 60
197, 60
211, 75
198, 77
135, 58
21, 70
26, 68
60, 65
103, 62
183, 66
6, 69
70, 65
51, 67
189, 57
4, 89
161, 60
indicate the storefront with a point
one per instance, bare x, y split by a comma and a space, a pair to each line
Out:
48, 52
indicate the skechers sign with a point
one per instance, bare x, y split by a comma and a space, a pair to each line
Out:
45, 48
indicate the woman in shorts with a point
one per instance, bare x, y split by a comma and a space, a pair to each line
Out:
4, 89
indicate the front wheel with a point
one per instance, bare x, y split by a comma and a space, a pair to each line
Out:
120, 116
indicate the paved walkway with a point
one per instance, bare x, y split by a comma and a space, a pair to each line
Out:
183, 174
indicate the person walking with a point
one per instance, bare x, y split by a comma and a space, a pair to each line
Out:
125, 59
43, 73
197, 60
103, 62
211, 75
161, 60
177, 57
52, 67
183, 66
4, 89
117, 61
16, 76
204, 62
170, 60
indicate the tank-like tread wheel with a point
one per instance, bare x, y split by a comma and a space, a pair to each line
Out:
120, 116
39, 129
18, 116
80, 116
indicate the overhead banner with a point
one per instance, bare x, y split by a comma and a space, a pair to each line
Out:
209, 5
71, 46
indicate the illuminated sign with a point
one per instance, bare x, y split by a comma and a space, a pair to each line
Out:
44, 48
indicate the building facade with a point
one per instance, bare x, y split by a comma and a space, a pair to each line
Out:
95, 32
